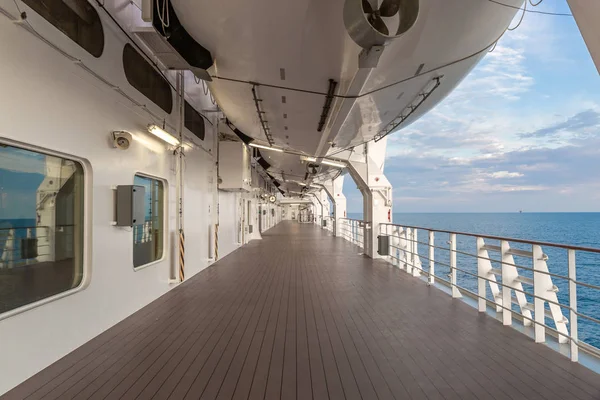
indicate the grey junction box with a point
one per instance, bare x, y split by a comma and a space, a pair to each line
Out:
383, 245
130, 205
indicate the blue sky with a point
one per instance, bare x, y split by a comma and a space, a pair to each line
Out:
21, 173
522, 131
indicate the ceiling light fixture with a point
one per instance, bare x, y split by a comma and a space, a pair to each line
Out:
323, 161
260, 146
162, 134
333, 164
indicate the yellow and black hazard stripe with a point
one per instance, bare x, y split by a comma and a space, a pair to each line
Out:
181, 256
216, 242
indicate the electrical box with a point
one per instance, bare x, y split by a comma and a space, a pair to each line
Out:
130, 205
234, 167
383, 245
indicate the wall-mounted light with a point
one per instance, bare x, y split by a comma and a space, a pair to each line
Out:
333, 164
309, 159
163, 135
260, 146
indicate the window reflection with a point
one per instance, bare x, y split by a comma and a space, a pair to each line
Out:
41, 226
148, 237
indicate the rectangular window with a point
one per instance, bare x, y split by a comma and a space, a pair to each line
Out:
148, 237
41, 226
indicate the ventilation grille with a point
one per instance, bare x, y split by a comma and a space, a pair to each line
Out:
164, 52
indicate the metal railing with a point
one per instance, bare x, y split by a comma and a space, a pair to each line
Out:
15, 245
512, 275
306, 218
327, 223
353, 230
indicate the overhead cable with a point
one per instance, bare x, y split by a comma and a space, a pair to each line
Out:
531, 11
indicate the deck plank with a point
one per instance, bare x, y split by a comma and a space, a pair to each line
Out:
301, 315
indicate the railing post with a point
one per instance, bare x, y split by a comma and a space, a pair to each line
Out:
431, 258
481, 271
389, 228
538, 291
573, 306
407, 251
506, 284
395, 242
455, 291
9, 249
416, 272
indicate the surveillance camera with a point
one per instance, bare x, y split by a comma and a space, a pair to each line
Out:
121, 140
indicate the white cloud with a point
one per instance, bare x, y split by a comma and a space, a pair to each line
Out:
505, 174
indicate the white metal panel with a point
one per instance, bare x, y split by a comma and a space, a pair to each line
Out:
55, 105
234, 166
229, 220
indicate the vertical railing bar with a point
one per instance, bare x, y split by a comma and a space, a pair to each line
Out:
407, 250
415, 255
573, 305
506, 282
455, 291
431, 257
539, 315
481, 283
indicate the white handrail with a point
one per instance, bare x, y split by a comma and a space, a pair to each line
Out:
508, 294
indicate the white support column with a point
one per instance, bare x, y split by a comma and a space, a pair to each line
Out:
319, 207
339, 205
376, 190
586, 13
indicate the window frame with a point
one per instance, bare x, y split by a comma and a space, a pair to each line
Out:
86, 228
164, 222
97, 17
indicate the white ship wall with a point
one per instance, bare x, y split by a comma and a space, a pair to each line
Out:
50, 104
229, 222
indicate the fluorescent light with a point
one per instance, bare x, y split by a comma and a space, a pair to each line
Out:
162, 134
333, 164
323, 161
260, 146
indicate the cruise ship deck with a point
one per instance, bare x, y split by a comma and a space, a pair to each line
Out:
300, 315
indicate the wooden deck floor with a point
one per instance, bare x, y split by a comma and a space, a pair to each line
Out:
301, 315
